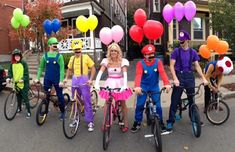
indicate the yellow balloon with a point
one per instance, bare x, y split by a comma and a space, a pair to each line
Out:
82, 24
92, 22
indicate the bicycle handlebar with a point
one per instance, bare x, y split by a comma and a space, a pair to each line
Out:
110, 89
196, 92
154, 92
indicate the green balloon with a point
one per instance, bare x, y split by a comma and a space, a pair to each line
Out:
15, 24
25, 21
18, 14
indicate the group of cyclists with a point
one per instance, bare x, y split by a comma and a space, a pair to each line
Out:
148, 70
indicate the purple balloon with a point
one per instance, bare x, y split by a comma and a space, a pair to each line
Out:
168, 13
106, 35
179, 11
190, 10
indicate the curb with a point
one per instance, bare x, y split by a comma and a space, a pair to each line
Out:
228, 95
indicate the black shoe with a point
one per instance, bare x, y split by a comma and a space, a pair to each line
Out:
202, 124
19, 110
163, 128
135, 127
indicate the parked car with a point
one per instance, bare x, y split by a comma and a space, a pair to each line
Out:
2, 78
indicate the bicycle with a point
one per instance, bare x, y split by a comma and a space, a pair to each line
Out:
11, 103
153, 118
74, 110
111, 113
43, 107
217, 112
193, 111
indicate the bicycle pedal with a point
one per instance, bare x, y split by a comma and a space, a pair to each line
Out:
148, 136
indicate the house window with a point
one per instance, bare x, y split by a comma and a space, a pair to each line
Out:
65, 23
198, 28
175, 29
156, 5
78, 33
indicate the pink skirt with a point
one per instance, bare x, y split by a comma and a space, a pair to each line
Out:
124, 95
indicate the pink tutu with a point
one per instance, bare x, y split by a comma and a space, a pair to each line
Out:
124, 95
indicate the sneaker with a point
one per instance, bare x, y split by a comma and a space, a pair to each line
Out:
163, 128
91, 126
62, 116
74, 123
202, 124
28, 115
169, 127
19, 110
178, 117
125, 129
135, 127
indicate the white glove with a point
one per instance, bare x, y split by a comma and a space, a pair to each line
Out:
8, 80
97, 85
124, 87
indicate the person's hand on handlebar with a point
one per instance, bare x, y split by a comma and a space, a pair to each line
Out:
138, 90
176, 82
168, 88
205, 82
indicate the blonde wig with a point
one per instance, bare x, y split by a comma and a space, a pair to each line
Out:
114, 46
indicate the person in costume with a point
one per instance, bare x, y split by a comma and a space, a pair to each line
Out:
53, 64
181, 67
147, 78
79, 66
19, 73
117, 78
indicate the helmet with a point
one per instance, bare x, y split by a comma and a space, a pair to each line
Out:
52, 40
148, 49
16, 51
77, 44
225, 65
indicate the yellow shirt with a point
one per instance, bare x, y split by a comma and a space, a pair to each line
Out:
87, 63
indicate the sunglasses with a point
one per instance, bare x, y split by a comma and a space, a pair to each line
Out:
182, 42
77, 52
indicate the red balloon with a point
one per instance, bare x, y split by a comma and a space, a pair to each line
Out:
136, 33
153, 30
140, 17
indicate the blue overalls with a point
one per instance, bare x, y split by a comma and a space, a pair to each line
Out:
187, 81
149, 82
52, 77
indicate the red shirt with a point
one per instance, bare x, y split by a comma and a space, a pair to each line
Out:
139, 72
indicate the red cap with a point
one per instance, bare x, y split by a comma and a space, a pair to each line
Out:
148, 49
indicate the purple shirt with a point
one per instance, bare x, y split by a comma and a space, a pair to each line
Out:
185, 57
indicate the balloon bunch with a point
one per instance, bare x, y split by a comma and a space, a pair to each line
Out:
19, 19
108, 35
179, 11
50, 26
84, 24
152, 29
213, 44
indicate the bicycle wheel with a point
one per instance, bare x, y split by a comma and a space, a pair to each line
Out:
195, 120
71, 120
33, 95
10, 106
66, 98
94, 101
147, 113
156, 131
217, 113
107, 126
42, 112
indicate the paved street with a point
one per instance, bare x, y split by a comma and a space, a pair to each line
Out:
23, 135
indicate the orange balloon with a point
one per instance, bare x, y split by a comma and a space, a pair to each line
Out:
212, 42
222, 47
204, 51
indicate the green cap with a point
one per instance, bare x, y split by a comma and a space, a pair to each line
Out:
52, 40
16, 51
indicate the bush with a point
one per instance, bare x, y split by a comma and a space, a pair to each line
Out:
66, 59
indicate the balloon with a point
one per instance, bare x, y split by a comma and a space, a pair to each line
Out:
179, 11
18, 14
105, 35
212, 42
136, 33
81, 23
140, 17
117, 33
15, 24
168, 13
47, 26
189, 10
153, 29
204, 51
56, 25
92, 22
25, 21
222, 47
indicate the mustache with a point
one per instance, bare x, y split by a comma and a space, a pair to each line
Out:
151, 57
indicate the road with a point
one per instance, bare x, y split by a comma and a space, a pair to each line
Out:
23, 135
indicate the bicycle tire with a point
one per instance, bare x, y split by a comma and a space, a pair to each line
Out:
107, 126
42, 112
33, 98
195, 120
66, 98
156, 131
12, 100
94, 101
147, 113
69, 129
214, 113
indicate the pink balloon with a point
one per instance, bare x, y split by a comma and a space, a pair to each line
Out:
168, 13
105, 35
117, 33
179, 11
189, 10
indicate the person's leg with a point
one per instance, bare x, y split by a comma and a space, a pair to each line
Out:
85, 92
19, 100
124, 112
24, 93
207, 97
59, 93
